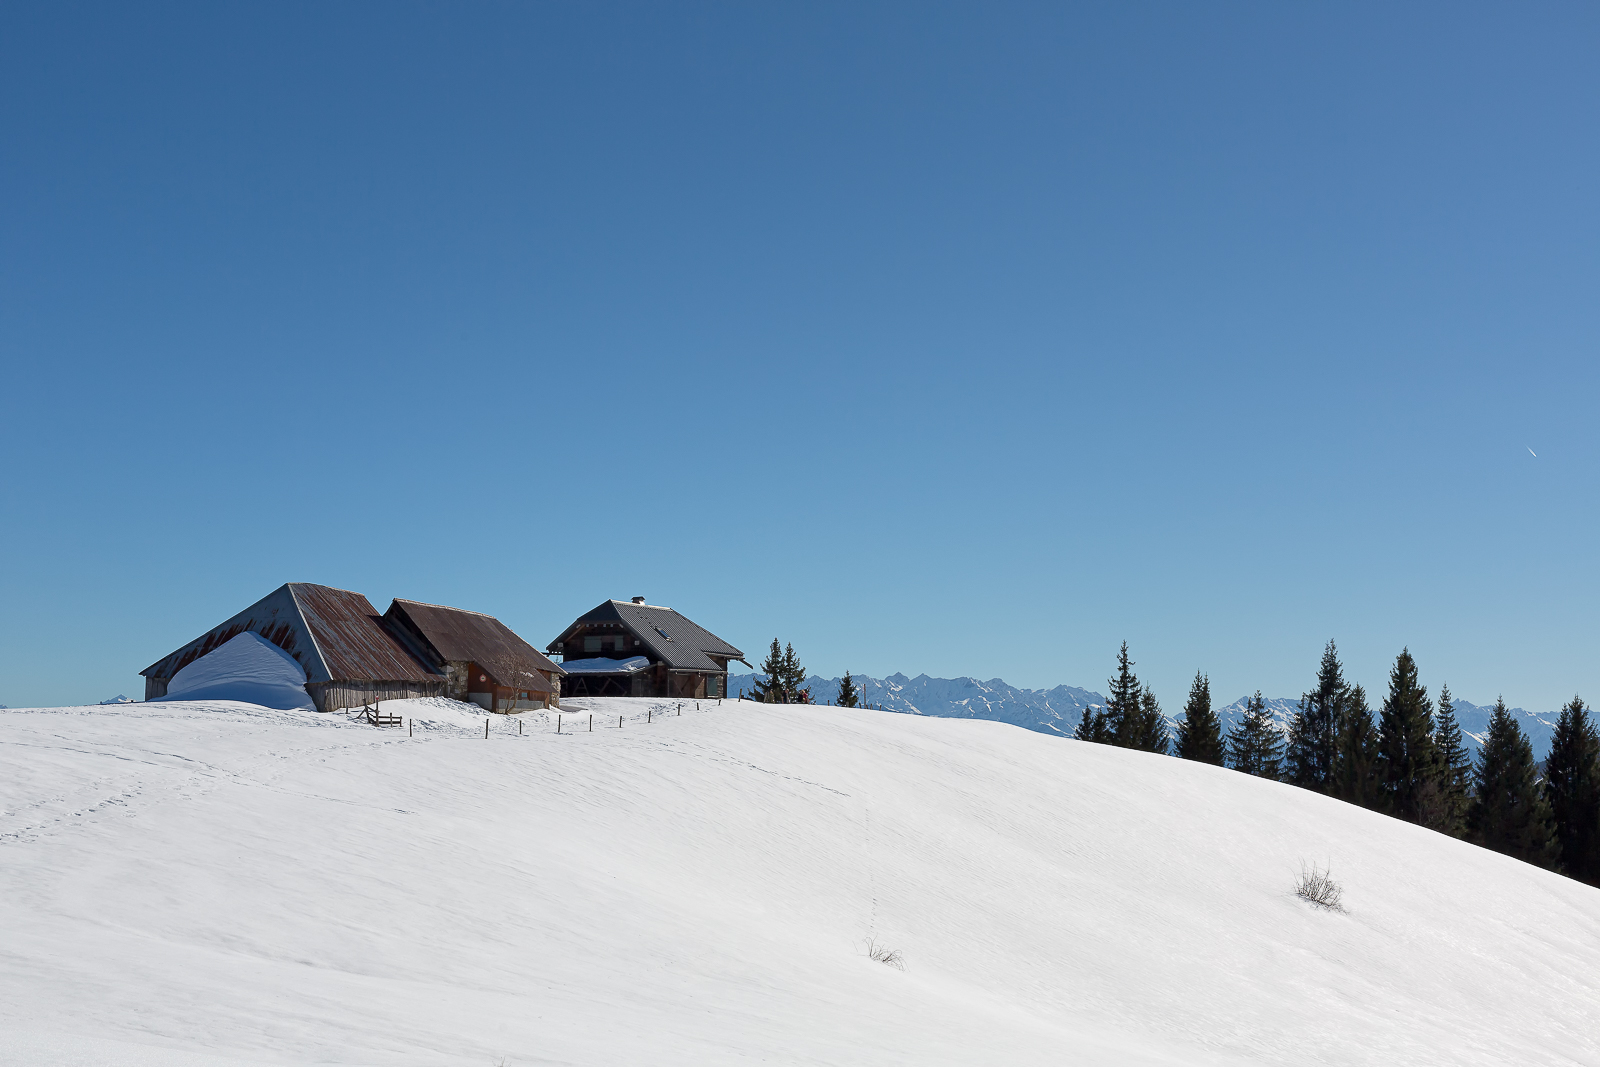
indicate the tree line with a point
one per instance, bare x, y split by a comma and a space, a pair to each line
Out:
783, 680
1409, 761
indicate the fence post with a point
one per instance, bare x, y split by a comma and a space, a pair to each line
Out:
486, 728
591, 722
409, 724
558, 722
647, 713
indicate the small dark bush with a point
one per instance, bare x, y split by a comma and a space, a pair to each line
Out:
1316, 886
884, 954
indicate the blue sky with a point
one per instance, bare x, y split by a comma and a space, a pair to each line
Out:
948, 339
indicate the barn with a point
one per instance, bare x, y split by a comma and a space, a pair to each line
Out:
630, 648
479, 657
333, 637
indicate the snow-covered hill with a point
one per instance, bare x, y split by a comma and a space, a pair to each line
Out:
1057, 711
219, 883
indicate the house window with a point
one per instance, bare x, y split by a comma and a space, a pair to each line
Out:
591, 644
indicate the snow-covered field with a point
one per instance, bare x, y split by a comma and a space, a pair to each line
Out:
219, 883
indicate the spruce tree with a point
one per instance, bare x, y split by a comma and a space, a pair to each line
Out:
1407, 763
1572, 787
848, 695
1200, 731
1255, 744
1508, 812
1356, 778
794, 678
1122, 706
1092, 727
1151, 733
770, 690
1455, 780
1311, 754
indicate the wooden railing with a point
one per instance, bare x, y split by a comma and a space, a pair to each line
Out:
378, 718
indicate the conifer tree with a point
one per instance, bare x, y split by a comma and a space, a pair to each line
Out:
1122, 706
1455, 764
1407, 762
1255, 744
1200, 731
769, 690
1092, 727
1151, 732
1356, 779
1509, 813
1311, 754
848, 695
794, 679
1572, 787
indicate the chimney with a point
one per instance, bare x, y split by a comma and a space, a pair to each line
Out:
638, 600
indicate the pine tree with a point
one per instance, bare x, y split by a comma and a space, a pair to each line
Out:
1151, 732
1200, 732
1255, 743
1508, 812
1122, 706
770, 690
1092, 727
1311, 754
794, 679
1455, 780
1572, 787
1356, 777
848, 695
1408, 765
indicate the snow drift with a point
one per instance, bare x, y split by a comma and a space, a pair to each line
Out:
202, 882
247, 668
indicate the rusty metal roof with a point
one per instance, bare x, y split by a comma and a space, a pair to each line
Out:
454, 634
334, 634
352, 638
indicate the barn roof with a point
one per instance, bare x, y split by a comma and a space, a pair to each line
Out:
456, 634
668, 636
334, 634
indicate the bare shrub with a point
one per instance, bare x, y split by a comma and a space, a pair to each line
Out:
876, 950
1316, 886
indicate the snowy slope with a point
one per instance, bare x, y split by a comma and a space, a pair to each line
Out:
221, 883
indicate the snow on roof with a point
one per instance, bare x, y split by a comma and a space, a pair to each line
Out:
606, 666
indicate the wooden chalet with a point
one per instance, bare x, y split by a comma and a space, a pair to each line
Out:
350, 657
480, 658
630, 648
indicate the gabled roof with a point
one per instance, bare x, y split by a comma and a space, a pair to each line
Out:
334, 634
447, 634
668, 636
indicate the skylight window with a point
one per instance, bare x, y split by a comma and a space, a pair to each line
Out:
663, 633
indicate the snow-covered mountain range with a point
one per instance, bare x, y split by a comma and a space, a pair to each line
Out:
1058, 710
1050, 711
